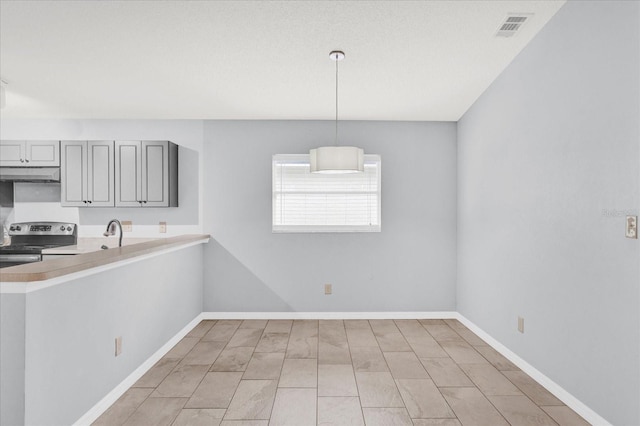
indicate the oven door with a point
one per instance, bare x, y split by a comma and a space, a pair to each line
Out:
7, 260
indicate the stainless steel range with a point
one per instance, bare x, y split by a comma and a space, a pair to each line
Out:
28, 239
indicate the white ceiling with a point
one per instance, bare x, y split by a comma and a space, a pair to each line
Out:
405, 60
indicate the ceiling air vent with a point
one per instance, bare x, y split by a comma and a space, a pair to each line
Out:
512, 24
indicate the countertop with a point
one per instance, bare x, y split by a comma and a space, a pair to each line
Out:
92, 256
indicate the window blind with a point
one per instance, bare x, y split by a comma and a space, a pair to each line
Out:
317, 202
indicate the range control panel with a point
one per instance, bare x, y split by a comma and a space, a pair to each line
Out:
42, 228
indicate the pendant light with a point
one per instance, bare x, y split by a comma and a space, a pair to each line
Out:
336, 159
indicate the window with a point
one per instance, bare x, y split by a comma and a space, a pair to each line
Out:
316, 202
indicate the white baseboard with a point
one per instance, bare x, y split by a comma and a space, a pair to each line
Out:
102, 405
328, 315
564, 396
559, 392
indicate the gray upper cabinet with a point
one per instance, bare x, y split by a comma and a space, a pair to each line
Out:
146, 174
87, 178
30, 153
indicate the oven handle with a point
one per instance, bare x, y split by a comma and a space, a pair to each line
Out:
23, 258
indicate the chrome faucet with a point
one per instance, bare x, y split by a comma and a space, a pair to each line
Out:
111, 230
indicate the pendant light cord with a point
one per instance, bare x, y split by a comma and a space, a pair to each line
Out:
337, 99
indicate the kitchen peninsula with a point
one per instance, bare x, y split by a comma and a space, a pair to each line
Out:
61, 318
85, 259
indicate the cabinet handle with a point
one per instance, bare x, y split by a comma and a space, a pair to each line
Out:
84, 201
26, 161
89, 201
21, 160
145, 202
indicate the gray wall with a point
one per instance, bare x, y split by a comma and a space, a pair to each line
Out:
70, 331
409, 266
12, 318
548, 163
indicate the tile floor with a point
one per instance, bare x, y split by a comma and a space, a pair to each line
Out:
352, 372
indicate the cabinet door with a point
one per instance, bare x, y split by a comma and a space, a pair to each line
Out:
100, 192
73, 178
155, 177
128, 177
43, 153
12, 153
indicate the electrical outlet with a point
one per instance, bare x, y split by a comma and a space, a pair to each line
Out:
127, 226
118, 345
632, 227
163, 227
521, 324
327, 289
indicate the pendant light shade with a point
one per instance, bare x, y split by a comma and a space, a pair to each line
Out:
336, 159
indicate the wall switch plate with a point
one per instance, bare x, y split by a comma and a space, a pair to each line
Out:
327, 289
118, 345
163, 227
632, 227
127, 226
521, 324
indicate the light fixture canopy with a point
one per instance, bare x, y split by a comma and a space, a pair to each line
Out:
336, 159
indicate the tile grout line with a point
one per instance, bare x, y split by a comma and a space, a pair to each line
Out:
457, 365
226, 410
395, 384
353, 370
284, 358
430, 378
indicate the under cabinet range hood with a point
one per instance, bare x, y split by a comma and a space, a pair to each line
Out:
30, 174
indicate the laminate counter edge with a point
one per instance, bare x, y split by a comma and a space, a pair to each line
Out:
36, 276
